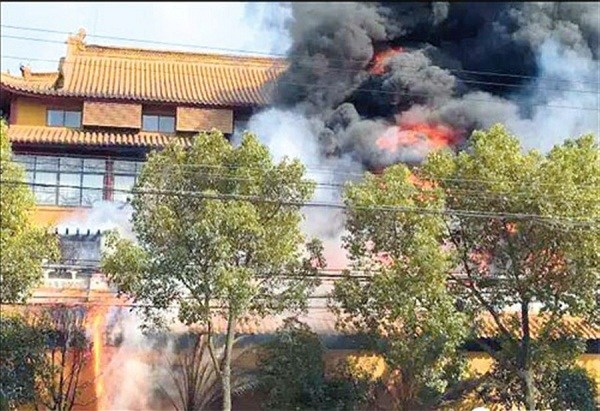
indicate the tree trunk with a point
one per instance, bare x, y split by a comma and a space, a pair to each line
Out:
226, 378
524, 361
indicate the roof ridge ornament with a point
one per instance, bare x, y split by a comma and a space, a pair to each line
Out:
78, 39
25, 71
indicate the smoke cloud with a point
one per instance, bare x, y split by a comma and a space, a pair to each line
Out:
361, 74
357, 69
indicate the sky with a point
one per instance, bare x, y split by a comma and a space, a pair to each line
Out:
258, 27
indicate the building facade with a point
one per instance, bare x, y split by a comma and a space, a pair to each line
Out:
83, 131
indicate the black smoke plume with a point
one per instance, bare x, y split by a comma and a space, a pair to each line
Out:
465, 65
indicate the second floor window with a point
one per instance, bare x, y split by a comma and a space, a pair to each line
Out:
63, 118
158, 122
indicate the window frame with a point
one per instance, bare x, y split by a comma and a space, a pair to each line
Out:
158, 122
33, 167
117, 173
31, 164
64, 117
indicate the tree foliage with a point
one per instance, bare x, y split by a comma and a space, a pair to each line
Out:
218, 234
291, 372
22, 351
530, 241
574, 389
43, 356
24, 246
404, 306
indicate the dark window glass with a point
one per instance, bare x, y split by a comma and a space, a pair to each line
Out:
46, 163
70, 164
126, 167
123, 186
69, 192
91, 165
94, 185
46, 195
149, 123
28, 162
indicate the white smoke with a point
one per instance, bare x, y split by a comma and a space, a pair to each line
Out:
132, 375
103, 216
575, 107
126, 375
291, 134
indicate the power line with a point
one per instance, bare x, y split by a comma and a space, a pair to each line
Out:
194, 168
337, 187
525, 101
240, 51
404, 75
300, 204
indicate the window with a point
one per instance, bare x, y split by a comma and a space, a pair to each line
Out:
67, 181
64, 118
78, 181
158, 122
125, 177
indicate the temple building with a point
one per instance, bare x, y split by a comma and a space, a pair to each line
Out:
82, 133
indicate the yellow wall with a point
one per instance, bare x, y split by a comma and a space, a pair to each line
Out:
480, 363
30, 112
591, 363
52, 215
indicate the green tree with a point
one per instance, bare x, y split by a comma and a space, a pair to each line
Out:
24, 246
22, 351
575, 390
217, 235
524, 228
404, 306
43, 355
291, 371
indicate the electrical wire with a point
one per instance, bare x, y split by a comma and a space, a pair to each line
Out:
252, 53
308, 204
196, 166
329, 69
205, 76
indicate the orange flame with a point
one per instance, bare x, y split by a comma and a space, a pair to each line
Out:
97, 340
379, 60
432, 135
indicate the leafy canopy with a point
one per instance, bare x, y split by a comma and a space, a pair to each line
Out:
24, 246
217, 230
530, 242
404, 305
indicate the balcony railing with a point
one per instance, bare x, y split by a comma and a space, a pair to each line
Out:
73, 276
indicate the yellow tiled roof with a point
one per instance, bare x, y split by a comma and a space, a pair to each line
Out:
147, 75
63, 135
37, 83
